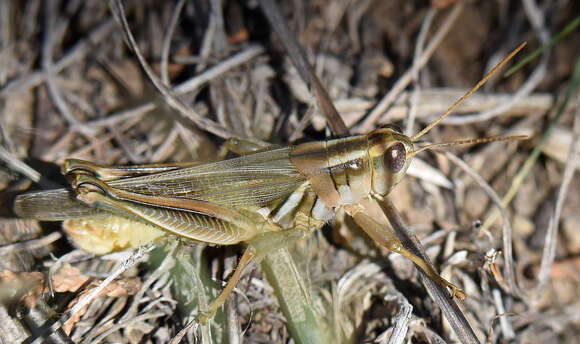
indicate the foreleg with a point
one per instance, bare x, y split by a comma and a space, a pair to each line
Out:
382, 234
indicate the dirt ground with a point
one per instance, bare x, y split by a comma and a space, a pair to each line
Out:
71, 87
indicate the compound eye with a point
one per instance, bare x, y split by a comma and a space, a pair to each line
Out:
395, 157
393, 127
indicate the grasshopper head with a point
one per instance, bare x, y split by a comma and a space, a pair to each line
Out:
390, 152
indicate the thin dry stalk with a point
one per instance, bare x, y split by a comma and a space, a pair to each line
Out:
536, 17
186, 112
47, 64
19, 166
404, 80
416, 93
29, 245
135, 258
509, 269
78, 52
448, 306
549, 252
166, 45
191, 85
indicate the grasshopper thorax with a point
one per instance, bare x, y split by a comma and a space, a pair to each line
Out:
390, 152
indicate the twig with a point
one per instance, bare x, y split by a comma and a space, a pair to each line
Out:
348, 281
306, 72
436, 100
525, 90
118, 326
506, 327
166, 147
430, 335
179, 336
401, 320
302, 124
166, 265
127, 147
214, 38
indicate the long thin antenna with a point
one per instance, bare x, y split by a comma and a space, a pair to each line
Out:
470, 141
469, 93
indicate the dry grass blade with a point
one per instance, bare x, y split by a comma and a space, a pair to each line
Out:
186, 112
536, 17
31, 244
549, 252
76, 53
136, 258
527, 166
531, 83
19, 166
66, 71
506, 226
167, 42
469, 93
53, 89
441, 296
301, 62
403, 82
191, 85
416, 57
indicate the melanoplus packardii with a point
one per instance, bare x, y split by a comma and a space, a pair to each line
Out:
265, 199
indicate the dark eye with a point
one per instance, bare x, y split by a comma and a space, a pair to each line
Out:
395, 157
393, 127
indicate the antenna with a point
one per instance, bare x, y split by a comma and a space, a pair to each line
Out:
468, 141
469, 93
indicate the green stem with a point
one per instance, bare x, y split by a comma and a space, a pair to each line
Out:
303, 322
569, 28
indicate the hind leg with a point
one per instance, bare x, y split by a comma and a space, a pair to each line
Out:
110, 173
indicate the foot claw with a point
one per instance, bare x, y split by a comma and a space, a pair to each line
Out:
456, 291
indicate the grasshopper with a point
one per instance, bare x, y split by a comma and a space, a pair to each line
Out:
265, 199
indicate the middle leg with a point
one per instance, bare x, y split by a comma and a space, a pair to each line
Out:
258, 248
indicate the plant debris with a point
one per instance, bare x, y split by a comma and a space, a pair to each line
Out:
70, 87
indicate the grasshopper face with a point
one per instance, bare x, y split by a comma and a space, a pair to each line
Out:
390, 153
